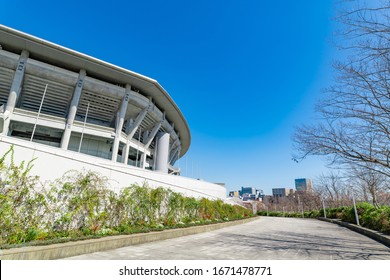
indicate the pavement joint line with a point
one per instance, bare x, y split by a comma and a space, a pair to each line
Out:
74, 248
376, 235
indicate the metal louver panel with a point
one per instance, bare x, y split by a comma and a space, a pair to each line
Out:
102, 109
6, 76
57, 97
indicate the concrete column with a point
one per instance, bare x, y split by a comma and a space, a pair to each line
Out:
119, 123
143, 161
125, 153
130, 131
16, 88
73, 110
145, 135
162, 152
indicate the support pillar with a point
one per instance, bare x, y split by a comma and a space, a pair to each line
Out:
162, 152
73, 110
152, 134
125, 153
119, 123
174, 144
143, 161
16, 88
130, 131
174, 154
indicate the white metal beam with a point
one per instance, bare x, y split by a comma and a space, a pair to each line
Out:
174, 144
152, 134
132, 128
174, 154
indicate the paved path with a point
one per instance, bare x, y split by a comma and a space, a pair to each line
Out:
266, 238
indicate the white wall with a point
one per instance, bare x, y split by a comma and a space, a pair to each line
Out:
52, 163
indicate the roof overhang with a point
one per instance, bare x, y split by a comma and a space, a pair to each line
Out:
72, 60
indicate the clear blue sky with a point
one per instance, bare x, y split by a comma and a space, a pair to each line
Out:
244, 73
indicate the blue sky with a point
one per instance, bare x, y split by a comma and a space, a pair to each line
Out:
244, 73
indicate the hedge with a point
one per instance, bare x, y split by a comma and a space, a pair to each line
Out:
369, 216
81, 204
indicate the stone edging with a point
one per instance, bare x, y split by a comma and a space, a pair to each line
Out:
378, 236
74, 248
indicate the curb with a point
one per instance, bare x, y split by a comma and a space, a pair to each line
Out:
74, 248
377, 236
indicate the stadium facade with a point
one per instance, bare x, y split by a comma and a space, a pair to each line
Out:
73, 111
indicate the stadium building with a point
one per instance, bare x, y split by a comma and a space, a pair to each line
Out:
73, 111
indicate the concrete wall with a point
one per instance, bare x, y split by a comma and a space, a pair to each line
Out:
53, 162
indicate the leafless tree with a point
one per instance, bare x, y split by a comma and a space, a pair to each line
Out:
369, 183
331, 188
355, 124
309, 200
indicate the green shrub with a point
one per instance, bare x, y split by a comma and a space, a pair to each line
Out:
384, 220
81, 204
21, 204
369, 216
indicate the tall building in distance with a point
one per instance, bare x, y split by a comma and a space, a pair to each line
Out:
250, 193
303, 185
280, 192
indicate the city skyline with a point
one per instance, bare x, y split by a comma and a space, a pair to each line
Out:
243, 74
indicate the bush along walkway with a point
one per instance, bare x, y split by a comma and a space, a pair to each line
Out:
374, 221
80, 205
376, 235
375, 218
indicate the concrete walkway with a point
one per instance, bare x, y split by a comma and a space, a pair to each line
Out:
266, 238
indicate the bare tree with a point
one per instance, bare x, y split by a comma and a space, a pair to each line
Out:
355, 126
370, 183
331, 188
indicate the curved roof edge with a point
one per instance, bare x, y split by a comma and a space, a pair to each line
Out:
73, 60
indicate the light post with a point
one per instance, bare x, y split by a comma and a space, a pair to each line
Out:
254, 207
82, 132
303, 215
298, 203
354, 207
323, 205
39, 112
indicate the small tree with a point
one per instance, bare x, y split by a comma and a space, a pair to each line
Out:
370, 183
331, 188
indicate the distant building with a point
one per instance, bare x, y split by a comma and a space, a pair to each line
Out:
247, 190
280, 192
234, 194
303, 185
251, 193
